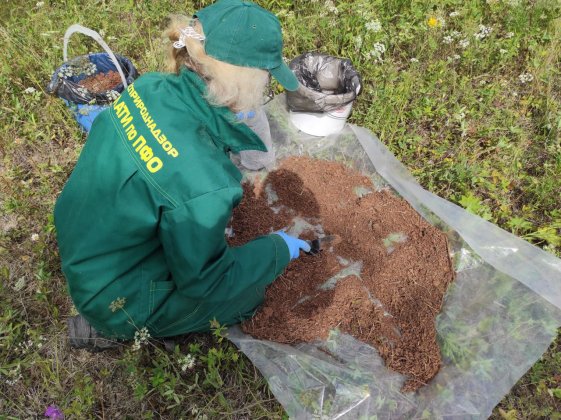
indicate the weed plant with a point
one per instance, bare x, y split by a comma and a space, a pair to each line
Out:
465, 93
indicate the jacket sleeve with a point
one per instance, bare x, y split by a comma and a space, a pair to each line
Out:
202, 264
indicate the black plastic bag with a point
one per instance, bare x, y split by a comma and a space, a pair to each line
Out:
326, 83
65, 80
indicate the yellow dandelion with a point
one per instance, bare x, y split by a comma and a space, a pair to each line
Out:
433, 22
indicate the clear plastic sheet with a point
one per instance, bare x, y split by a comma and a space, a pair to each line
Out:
254, 159
499, 316
326, 83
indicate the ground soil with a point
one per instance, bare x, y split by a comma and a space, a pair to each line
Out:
101, 82
406, 269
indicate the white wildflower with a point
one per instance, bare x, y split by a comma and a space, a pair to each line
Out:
117, 304
112, 95
525, 78
65, 72
82, 91
373, 26
456, 57
90, 69
30, 90
13, 381
454, 14
377, 51
357, 41
503, 51
187, 362
456, 34
39, 4
509, 35
484, 32
378, 46
35, 237
464, 43
331, 7
14, 375
414, 60
141, 337
447, 39
24, 346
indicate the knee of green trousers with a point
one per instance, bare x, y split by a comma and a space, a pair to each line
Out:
197, 316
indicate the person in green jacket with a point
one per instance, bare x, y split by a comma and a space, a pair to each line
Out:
141, 221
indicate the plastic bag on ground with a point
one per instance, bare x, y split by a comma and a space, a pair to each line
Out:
499, 316
326, 83
85, 104
65, 81
255, 159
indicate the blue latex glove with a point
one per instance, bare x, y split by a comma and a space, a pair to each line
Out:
86, 114
294, 244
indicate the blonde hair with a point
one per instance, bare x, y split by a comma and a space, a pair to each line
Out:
238, 88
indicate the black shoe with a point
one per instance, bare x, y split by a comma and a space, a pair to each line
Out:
83, 336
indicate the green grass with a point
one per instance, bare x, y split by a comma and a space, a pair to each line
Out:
458, 116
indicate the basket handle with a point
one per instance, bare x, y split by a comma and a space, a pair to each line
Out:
93, 34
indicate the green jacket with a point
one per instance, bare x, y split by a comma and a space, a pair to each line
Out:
141, 219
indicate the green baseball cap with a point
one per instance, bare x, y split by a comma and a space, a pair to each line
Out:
244, 34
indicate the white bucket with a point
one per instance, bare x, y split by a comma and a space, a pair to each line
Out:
321, 123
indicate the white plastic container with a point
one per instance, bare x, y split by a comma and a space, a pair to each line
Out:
321, 124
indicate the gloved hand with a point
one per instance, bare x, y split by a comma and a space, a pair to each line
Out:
294, 244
